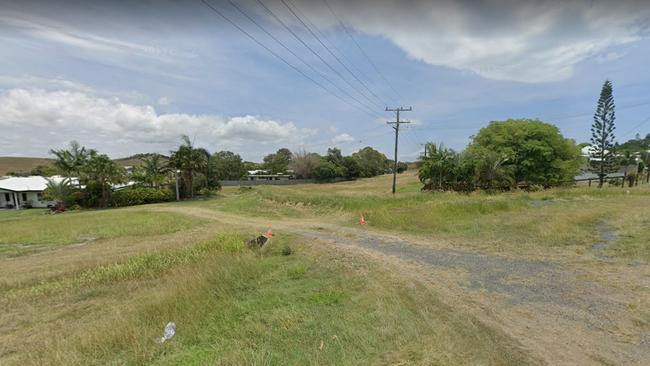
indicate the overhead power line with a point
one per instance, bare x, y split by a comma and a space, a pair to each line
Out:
633, 129
275, 54
347, 31
240, 10
343, 56
330, 52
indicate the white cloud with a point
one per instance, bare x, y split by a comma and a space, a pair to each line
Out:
537, 41
343, 138
50, 118
49, 30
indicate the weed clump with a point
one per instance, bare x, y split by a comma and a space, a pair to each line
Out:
297, 272
287, 250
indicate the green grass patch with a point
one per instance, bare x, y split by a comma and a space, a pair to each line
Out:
34, 228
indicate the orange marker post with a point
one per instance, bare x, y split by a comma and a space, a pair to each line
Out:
269, 232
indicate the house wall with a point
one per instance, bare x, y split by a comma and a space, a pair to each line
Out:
35, 198
3, 198
31, 197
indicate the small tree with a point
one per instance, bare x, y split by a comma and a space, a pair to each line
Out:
602, 133
303, 163
59, 192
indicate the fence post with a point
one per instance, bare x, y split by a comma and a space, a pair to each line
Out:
589, 182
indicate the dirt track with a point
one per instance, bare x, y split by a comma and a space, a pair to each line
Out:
562, 313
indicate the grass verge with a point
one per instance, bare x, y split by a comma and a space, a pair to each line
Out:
233, 306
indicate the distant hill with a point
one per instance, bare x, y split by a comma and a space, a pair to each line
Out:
135, 160
10, 164
21, 164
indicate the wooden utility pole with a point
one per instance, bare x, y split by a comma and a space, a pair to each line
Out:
396, 124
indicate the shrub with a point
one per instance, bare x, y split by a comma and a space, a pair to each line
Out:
535, 188
327, 170
140, 196
207, 192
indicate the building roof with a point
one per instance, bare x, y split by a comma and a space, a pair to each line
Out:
27, 184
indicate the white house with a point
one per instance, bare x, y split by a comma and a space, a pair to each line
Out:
24, 192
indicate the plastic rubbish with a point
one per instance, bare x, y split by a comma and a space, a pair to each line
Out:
362, 221
258, 242
170, 331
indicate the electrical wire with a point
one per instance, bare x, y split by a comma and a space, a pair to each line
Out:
347, 31
252, 20
328, 50
275, 54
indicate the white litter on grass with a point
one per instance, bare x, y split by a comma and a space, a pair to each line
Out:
170, 330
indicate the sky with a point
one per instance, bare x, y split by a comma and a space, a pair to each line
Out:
252, 76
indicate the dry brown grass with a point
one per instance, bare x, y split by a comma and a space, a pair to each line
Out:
21, 164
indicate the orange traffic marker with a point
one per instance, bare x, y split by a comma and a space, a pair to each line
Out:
362, 221
269, 232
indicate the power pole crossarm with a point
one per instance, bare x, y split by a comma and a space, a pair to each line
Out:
396, 125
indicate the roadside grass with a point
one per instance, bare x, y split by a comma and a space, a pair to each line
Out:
515, 222
25, 231
236, 306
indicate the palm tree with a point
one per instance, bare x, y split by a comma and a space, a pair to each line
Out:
154, 170
71, 161
438, 165
189, 160
59, 191
491, 171
100, 172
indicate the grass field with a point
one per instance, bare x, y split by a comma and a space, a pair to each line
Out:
546, 222
98, 287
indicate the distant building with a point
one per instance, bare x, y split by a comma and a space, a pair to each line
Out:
25, 192
588, 152
278, 176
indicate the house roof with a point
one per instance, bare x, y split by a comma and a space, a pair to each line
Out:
27, 184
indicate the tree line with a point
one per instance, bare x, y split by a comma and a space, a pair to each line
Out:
92, 177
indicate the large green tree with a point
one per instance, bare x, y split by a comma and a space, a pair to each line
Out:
278, 162
226, 165
371, 162
536, 151
602, 134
